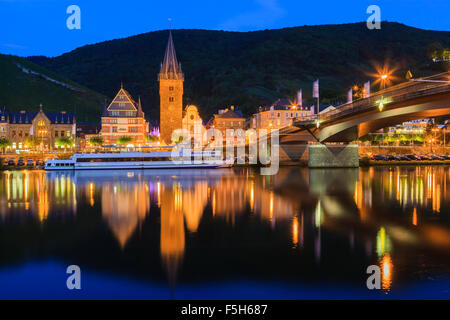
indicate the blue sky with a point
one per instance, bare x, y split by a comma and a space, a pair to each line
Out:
38, 27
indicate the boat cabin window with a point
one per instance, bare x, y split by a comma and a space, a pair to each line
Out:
124, 159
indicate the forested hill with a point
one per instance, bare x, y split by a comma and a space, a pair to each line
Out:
249, 69
25, 85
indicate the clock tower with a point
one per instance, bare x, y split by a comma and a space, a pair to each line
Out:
171, 80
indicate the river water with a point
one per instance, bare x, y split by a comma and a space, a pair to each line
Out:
226, 233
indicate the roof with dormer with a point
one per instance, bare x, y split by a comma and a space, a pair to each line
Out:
24, 117
122, 102
123, 105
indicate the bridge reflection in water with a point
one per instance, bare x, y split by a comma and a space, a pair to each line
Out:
376, 209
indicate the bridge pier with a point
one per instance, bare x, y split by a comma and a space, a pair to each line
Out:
333, 156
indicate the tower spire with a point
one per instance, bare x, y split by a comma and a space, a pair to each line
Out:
170, 68
140, 113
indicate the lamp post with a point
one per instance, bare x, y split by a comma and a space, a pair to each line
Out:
383, 79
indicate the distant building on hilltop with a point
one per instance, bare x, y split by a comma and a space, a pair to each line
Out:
124, 117
45, 127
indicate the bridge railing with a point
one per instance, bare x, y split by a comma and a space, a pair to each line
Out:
396, 93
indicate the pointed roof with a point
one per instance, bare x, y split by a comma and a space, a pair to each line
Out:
122, 102
171, 68
140, 112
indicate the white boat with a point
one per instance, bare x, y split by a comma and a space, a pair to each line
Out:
139, 160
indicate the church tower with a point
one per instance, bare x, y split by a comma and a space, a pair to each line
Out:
171, 80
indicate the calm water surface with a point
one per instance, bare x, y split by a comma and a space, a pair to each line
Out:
226, 233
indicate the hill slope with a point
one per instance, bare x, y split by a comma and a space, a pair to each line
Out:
249, 69
25, 85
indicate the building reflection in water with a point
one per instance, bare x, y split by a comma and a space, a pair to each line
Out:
308, 201
35, 194
124, 206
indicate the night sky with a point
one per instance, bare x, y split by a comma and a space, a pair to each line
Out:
38, 27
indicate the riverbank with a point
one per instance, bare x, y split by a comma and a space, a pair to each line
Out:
403, 163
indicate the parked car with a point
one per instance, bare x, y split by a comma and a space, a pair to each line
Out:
21, 161
11, 162
30, 163
446, 157
404, 158
39, 163
412, 157
379, 157
390, 157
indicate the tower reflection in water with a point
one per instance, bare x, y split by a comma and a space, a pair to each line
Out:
310, 201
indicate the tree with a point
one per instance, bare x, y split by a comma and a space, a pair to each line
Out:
435, 51
96, 141
124, 140
64, 142
179, 140
4, 143
151, 138
32, 141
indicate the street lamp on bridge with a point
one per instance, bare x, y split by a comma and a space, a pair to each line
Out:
384, 78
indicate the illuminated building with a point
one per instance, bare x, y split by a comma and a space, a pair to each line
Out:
228, 119
46, 127
171, 80
280, 114
193, 123
124, 117
411, 127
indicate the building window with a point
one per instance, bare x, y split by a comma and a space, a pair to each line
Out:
56, 133
62, 133
278, 114
170, 99
170, 88
114, 129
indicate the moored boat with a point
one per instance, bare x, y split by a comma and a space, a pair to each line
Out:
139, 160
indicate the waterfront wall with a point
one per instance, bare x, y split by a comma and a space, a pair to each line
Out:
403, 150
333, 156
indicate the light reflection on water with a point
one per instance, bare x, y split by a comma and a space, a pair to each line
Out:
330, 224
